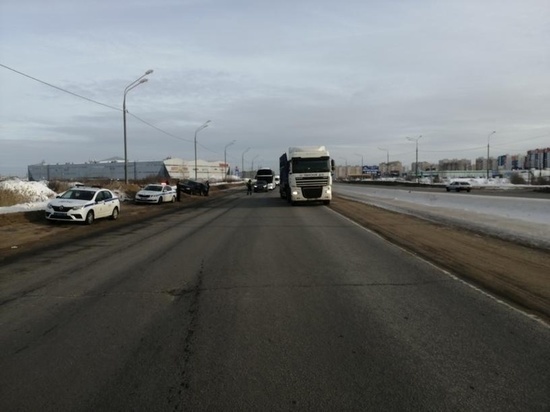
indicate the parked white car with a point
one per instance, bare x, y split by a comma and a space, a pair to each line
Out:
84, 204
458, 186
156, 193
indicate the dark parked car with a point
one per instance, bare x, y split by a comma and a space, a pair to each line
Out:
260, 186
193, 188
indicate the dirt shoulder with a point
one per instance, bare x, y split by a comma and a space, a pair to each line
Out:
27, 232
518, 274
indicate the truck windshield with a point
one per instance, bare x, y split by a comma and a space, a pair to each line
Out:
265, 174
317, 165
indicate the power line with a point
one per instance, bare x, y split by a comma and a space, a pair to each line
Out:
60, 88
170, 134
93, 101
158, 129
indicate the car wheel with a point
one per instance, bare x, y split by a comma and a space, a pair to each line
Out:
90, 218
448, 190
114, 215
160, 200
173, 199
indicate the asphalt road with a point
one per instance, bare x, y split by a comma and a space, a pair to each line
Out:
246, 303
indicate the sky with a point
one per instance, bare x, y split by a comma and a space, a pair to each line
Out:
358, 77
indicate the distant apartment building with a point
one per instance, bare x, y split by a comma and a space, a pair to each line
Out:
455, 164
423, 166
347, 172
538, 159
481, 163
512, 162
394, 169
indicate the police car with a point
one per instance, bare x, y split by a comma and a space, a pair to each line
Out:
83, 204
156, 193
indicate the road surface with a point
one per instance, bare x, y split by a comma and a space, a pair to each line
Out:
245, 303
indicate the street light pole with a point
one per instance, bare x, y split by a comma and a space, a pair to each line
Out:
416, 163
387, 159
345, 160
196, 131
488, 139
252, 166
242, 162
362, 164
225, 158
132, 85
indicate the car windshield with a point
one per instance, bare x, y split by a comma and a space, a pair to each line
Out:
153, 188
78, 194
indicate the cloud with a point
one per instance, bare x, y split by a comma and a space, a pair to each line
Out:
352, 75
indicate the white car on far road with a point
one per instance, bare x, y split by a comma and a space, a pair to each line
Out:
83, 204
459, 186
156, 193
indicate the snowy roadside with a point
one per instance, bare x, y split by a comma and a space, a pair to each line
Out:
521, 220
38, 194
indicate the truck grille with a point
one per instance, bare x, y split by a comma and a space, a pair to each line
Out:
312, 192
311, 181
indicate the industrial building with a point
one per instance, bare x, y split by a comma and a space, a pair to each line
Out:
114, 169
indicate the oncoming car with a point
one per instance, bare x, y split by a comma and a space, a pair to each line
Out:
83, 204
261, 186
156, 193
459, 186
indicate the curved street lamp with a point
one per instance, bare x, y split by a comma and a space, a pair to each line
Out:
134, 84
225, 158
488, 139
203, 126
416, 164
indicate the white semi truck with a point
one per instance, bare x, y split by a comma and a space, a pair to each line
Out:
306, 175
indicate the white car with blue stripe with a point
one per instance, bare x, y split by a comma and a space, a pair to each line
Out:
83, 204
156, 193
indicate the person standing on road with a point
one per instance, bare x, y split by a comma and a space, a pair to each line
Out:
249, 187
